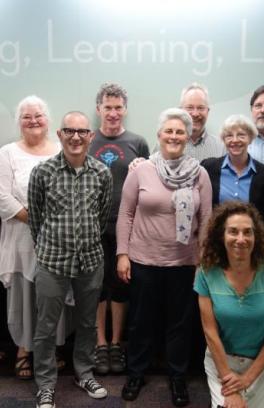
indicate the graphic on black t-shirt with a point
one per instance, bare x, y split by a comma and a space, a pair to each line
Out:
109, 153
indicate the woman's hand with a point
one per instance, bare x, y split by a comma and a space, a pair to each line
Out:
124, 268
22, 215
233, 382
235, 401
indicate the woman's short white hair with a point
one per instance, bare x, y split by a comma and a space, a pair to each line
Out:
239, 121
29, 101
176, 113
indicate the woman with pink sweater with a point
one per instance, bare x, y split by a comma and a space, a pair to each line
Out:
166, 203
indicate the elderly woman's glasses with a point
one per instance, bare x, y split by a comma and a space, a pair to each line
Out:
239, 136
30, 118
70, 132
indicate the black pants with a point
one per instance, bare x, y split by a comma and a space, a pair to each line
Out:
160, 293
113, 288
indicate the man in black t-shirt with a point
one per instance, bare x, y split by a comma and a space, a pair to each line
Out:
116, 147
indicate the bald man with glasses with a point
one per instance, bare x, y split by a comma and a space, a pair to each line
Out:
69, 200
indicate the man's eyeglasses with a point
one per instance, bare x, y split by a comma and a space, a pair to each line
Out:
199, 109
258, 106
82, 133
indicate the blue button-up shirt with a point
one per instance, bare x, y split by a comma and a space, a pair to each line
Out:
256, 149
234, 186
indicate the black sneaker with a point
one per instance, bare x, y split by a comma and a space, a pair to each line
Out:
179, 392
117, 358
132, 388
92, 387
101, 359
45, 399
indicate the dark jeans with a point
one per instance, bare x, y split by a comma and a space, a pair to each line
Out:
160, 293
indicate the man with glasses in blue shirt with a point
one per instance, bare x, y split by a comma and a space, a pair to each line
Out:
69, 199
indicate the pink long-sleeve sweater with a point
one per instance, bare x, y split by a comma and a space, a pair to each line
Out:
146, 226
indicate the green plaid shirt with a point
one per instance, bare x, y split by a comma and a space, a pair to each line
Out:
67, 212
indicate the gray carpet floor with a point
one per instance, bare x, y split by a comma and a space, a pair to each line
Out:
15, 393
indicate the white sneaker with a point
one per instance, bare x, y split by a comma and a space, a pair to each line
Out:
45, 399
92, 387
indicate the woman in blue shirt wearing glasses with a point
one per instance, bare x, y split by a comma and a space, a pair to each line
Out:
237, 176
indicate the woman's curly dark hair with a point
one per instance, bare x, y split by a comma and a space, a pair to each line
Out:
213, 251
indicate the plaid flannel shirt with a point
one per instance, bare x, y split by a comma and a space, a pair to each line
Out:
67, 213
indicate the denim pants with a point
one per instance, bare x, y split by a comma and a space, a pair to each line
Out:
51, 290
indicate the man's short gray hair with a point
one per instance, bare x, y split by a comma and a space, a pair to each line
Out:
31, 100
239, 121
111, 89
176, 113
194, 86
73, 112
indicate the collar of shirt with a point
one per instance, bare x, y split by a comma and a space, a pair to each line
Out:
64, 163
250, 166
261, 137
200, 140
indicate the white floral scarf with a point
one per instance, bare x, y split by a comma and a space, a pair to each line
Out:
179, 175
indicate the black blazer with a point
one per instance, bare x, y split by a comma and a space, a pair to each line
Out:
256, 190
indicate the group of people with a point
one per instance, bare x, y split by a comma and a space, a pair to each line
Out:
68, 209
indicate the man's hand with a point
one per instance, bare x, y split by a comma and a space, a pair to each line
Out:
124, 268
133, 165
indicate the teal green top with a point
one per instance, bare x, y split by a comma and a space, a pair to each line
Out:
240, 318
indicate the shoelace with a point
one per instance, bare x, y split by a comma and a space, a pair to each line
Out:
117, 354
115, 349
46, 396
92, 384
101, 353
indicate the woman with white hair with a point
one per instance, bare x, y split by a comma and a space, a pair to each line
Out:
17, 257
237, 176
166, 202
